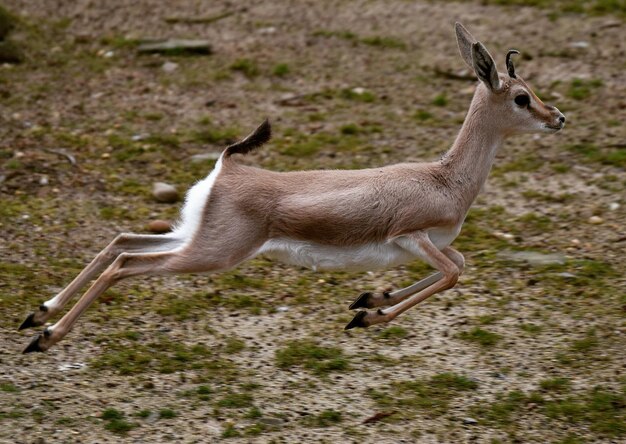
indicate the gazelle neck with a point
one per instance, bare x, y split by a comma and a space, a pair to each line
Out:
473, 152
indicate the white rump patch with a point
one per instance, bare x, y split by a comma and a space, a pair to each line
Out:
195, 201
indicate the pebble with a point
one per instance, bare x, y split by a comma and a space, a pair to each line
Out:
580, 44
164, 192
614, 206
470, 421
169, 67
43, 180
596, 220
159, 226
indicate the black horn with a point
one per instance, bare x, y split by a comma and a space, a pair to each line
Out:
509, 63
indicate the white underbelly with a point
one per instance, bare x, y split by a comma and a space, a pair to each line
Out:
442, 237
365, 257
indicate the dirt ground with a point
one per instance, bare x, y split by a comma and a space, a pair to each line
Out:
527, 348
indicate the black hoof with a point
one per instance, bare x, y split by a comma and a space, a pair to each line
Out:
34, 345
361, 301
29, 322
357, 321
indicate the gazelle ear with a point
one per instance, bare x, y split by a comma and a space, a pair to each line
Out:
465, 40
485, 67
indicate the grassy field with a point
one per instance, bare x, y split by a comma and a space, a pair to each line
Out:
527, 348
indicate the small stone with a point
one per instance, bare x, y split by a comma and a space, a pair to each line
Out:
580, 44
470, 421
282, 308
164, 192
43, 180
575, 242
358, 90
169, 67
159, 226
503, 236
596, 220
566, 275
614, 206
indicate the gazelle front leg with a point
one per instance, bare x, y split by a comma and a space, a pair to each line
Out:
420, 245
385, 299
126, 242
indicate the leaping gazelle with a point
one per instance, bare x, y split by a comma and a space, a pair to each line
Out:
356, 220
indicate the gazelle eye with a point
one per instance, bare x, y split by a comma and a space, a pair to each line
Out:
522, 100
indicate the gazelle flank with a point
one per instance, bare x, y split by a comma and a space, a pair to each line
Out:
357, 220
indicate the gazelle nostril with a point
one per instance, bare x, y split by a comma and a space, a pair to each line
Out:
562, 119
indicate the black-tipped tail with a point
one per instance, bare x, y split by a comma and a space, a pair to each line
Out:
254, 140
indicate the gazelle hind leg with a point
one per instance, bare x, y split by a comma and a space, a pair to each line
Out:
441, 260
385, 299
126, 242
216, 252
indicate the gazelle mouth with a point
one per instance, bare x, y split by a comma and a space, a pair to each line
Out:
554, 128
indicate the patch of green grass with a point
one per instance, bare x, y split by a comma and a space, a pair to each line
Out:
167, 413
236, 401
440, 100
230, 431
115, 422
7, 387
502, 411
350, 128
557, 384
345, 35
234, 345
11, 414
281, 70
312, 356
430, 397
359, 96
161, 355
326, 418
247, 67
394, 332
614, 156
144, 413
586, 344
484, 338
557, 7
531, 328
601, 409
215, 136
545, 197
306, 145
580, 89
523, 163
422, 115
111, 413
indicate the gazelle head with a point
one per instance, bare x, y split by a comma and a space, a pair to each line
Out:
516, 108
